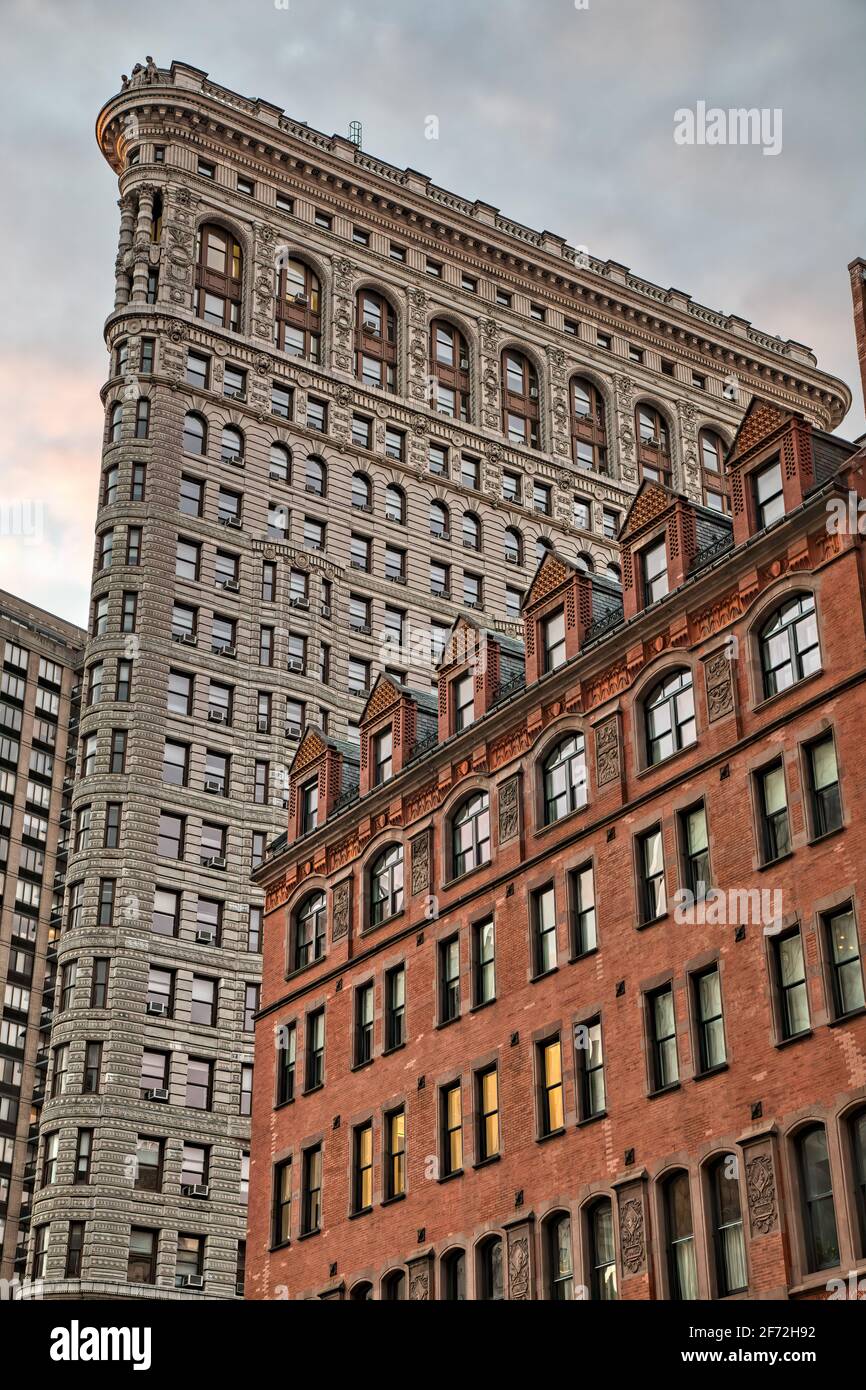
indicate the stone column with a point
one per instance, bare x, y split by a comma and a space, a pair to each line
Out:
143, 226
122, 277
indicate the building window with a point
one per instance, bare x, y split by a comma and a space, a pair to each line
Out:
712, 451
552, 1111
309, 816
553, 640
707, 995
449, 354
141, 1259
452, 1129
99, 982
375, 341
652, 899
662, 1027
311, 1205
314, 1075
694, 841
310, 931
582, 894
484, 962
768, 494
246, 1104
793, 991
654, 452
298, 329
560, 1266
825, 804
491, 1270
589, 1057
364, 1011
395, 1008
386, 885
816, 1195
282, 1212
844, 960
395, 1154
286, 1044
654, 572
670, 716
544, 930
588, 434
199, 1084
602, 1252
789, 645
470, 830
148, 1164
487, 1113
730, 1248
395, 504
520, 396
682, 1266
564, 772
773, 810
463, 701
362, 1194
454, 1276
449, 979
218, 278
189, 1264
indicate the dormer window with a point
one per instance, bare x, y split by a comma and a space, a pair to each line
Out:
714, 487
383, 756
463, 695
309, 806
553, 640
769, 498
654, 566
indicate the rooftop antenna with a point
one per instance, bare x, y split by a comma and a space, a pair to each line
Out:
355, 133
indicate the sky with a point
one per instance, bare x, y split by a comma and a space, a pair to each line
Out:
561, 113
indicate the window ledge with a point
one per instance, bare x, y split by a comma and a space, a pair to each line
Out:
846, 1018
389, 1201
819, 1278
544, 826
652, 922
772, 863
828, 835
362, 1066
591, 1119
389, 1051
308, 1235
281, 1104
461, 878
768, 700
311, 1090
710, 1071
447, 1022
486, 1162
281, 1245
554, 1134
447, 1177
664, 1090
485, 1004
543, 975
386, 921
795, 1038
362, 1211
647, 769
583, 955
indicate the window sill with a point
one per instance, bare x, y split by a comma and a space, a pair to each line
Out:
302, 969
584, 955
447, 1177
311, 1090
846, 1018
664, 1090
819, 1278
591, 1119
362, 1066
545, 826
772, 863
389, 1201
447, 1022
461, 878
486, 1162
543, 975
281, 1104
386, 921
485, 1004
389, 1051
767, 700
795, 1038
651, 922
647, 769
828, 835
308, 1235
282, 1245
554, 1134
362, 1211
711, 1071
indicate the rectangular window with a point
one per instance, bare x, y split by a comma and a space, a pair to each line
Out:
199, 1084
843, 949
793, 991
543, 930
195, 1165
773, 810
664, 1063
582, 897
148, 1163
287, 1041
768, 494
487, 1113
707, 994
315, 1063
364, 1004
99, 983
552, 1110
437, 460
362, 1184
451, 1102
449, 979
696, 851
395, 443
246, 1104
541, 494
395, 1154
141, 1260
484, 956
83, 1155
652, 901
311, 1213
282, 1223
190, 1259
203, 1004
589, 1061
395, 1007
825, 802
92, 1068
654, 569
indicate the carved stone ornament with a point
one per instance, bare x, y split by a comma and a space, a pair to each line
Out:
720, 686
631, 1235
419, 1286
518, 1269
509, 810
761, 1191
340, 910
421, 863
606, 753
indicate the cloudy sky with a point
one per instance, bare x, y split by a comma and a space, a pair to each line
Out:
561, 116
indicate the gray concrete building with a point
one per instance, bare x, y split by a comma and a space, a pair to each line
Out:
343, 406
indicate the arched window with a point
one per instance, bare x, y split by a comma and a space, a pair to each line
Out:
520, 412
280, 464
440, 521
585, 562
315, 476
654, 445
115, 423
362, 492
857, 1130
142, 417
375, 341
470, 830
730, 1247
513, 545
789, 644
218, 277
232, 445
310, 927
394, 1286
454, 1275
602, 1252
361, 1293
542, 545
715, 488
386, 885
614, 572
298, 325
816, 1199
471, 531
670, 716
588, 434
491, 1281
194, 434
564, 778
395, 504
560, 1265
679, 1229
449, 357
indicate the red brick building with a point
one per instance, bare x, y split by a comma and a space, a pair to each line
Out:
563, 993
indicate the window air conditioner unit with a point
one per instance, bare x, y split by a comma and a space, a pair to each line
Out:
512, 559
301, 300
230, 521
195, 1189
299, 601
652, 442
216, 861
358, 565
533, 392
216, 716
159, 1093
75, 692
191, 1281
326, 610
294, 663
159, 1010
263, 724
235, 462
293, 731
212, 785
189, 639
230, 652
231, 585
276, 476
371, 328
464, 364
205, 936
471, 603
